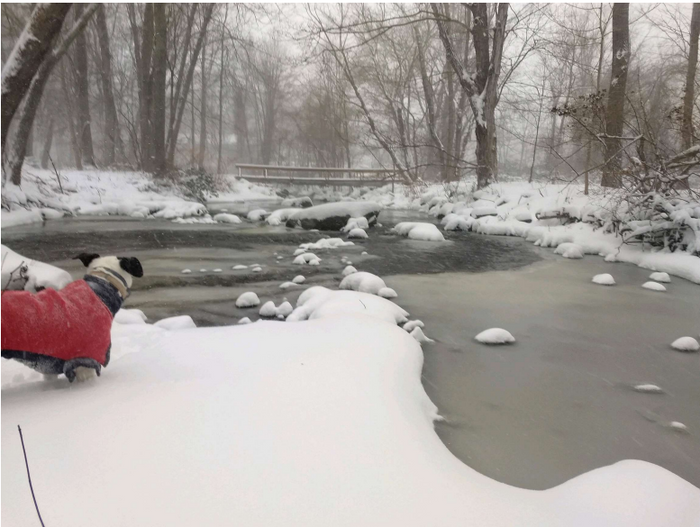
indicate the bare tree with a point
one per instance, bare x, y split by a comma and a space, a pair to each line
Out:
111, 125
689, 98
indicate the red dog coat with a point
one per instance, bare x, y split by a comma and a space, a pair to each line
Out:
67, 324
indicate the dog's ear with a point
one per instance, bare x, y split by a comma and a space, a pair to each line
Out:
131, 265
86, 258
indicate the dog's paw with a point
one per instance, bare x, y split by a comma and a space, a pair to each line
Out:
84, 374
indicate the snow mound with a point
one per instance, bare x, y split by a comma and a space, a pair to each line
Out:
677, 425
660, 277
245, 320
179, 322
217, 270
479, 212
349, 270
653, 286
458, 223
299, 279
603, 279
257, 215
319, 302
419, 231
569, 250
306, 258
186, 271
648, 388
268, 309
363, 282
226, 218
37, 276
334, 216
301, 202
325, 243
202, 270
686, 344
239, 267
280, 216
287, 285
411, 324
418, 334
356, 223
357, 233
495, 336
387, 292
130, 316
285, 309
257, 269
248, 299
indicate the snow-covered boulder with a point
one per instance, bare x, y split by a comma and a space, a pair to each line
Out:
334, 216
130, 316
648, 388
387, 292
524, 216
458, 223
245, 320
239, 267
349, 270
363, 282
284, 309
226, 218
186, 271
280, 216
179, 322
357, 233
36, 276
307, 258
287, 285
268, 309
603, 279
411, 324
495, 336
479, 212
257, 215
419, 231
248, 299
569, 250
303, 202
654, 286
299, 279
356, 223
421, 337
323, 243
660, 277
686, 344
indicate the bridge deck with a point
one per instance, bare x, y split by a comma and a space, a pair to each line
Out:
318, 181
337, 177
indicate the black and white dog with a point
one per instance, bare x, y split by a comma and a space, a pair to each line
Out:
68, 331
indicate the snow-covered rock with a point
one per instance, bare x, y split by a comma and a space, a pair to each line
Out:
660, 277
677, 425
306, 258
218, 270
226, 218
411, 324
603, 279
257, 215
186, 271
130, 316
299, 279
495, 336
419, 231
36, 275
248, 299
239, 267
287, 285
334, 216
686, 344
387, 292
479, 212
648, 388
179, 322
569, 250
325, 243
280, 216
257, 269
363, 282
418, 334
654, 286
349, 270
268, 309
357, 233
303, 202
285, 309
245, 320
356, 223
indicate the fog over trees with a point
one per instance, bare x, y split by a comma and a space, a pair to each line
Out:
434, 91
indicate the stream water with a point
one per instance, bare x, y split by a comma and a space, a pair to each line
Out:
557, 403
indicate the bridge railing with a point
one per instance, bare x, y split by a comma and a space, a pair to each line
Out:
324, 174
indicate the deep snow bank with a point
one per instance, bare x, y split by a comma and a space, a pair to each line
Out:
322, 422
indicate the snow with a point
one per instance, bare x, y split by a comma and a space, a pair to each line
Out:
357, 233
325, 243
351, 209
648, 388
419, 231
306, 258
484, 211
268, 309
495, 336
38, 275
411, 324
356, 223
604, 279
387, 292
174, 323
248, 299
314, 423
686, 344
364, 282
653, 286
257, 269
285, 309
239, 267
569, 250
257, 215
202, 270
217, 270
349, 270
287, 285
280, 216
21, 217
418, 334
130, 316
299, 279
226, 218
245, 320
677, 425
660, 277
186, 271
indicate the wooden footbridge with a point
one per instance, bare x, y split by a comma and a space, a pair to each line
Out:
321, 176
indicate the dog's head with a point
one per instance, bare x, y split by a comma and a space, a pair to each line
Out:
122, 268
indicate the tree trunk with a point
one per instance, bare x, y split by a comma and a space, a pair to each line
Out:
46, 155
689, 98
203, 110
83, 94
111, 133
616, 96
34, 43
221, 95
160, 58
